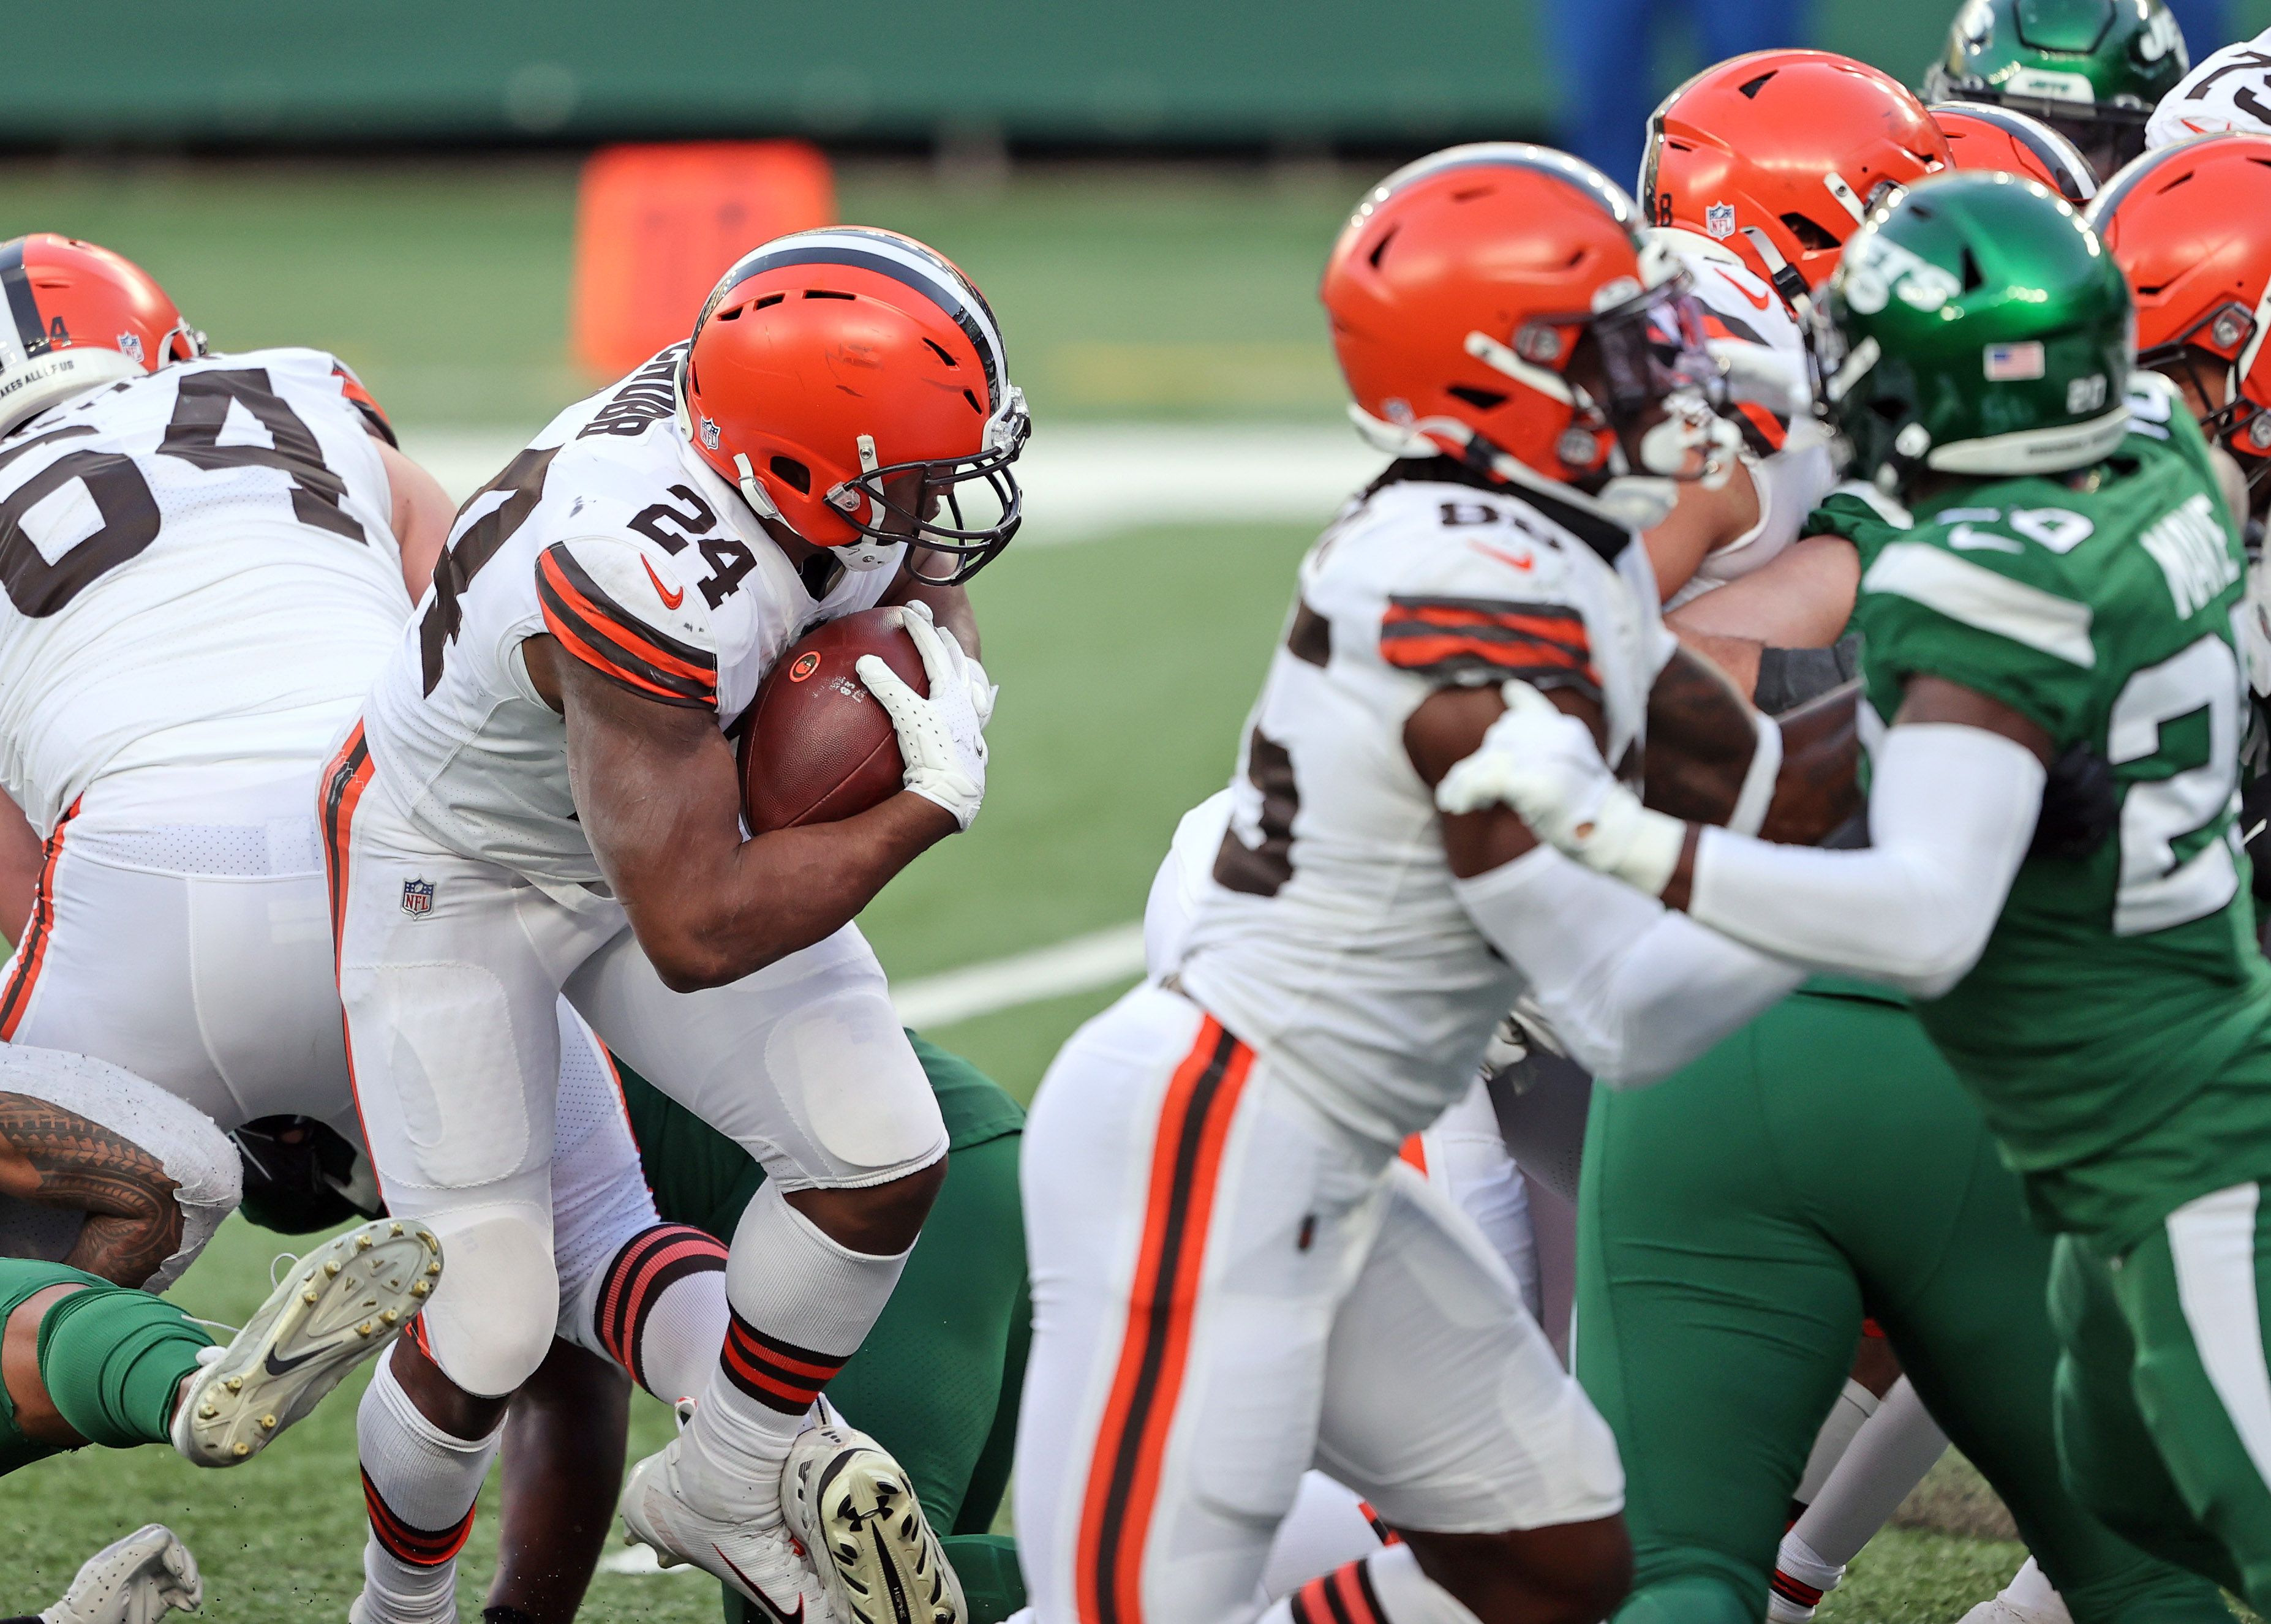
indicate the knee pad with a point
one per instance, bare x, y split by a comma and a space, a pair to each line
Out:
490, 1323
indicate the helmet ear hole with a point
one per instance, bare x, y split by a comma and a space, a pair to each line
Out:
792, 472
1810, 234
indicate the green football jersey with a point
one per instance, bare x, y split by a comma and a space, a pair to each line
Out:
2117, 1028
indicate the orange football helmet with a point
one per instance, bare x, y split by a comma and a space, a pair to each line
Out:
1498, 305
1780, 155
80, 316
852, 384
2190, 225
1982, 136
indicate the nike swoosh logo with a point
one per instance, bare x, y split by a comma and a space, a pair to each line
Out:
670, 600
1510, 560
1758, 303
279, 1367
757, 1591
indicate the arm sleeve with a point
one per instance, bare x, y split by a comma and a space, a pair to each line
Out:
628, 616
1635, 990
1951, 811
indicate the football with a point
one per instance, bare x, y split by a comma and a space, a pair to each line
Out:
818, 747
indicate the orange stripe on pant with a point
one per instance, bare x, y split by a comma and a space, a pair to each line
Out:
1123, 1473
337, 793
32, 951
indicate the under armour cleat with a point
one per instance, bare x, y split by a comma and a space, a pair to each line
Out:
760, 1563
339, 1305
856, 1509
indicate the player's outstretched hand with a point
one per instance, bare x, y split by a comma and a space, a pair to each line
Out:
941, 738
1543, 762
135, 1580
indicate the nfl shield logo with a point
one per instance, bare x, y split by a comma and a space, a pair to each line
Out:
417, 897
1719, 221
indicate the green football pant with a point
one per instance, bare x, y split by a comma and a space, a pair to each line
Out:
936, 1382
111, 1358
2163, 1402
1735, 1224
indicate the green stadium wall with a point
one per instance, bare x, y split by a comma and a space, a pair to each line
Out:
263, 72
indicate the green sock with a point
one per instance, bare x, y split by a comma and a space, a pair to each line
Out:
992, 1581
112, 1361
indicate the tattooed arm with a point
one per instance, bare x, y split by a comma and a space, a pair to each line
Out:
58, 1158
1702, 736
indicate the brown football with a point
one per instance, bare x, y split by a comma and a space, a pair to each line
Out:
817, 746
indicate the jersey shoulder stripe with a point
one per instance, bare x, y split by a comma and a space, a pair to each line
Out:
1982, 599
374, 415
600, 632
1453, 639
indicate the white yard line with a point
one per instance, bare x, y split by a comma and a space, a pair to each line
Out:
1101, 958
1084, 481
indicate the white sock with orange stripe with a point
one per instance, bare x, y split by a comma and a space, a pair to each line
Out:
1383, 1589
418, 1484
801, 1306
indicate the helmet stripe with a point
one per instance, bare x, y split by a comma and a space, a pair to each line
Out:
1512, 156
887, 257
31, 333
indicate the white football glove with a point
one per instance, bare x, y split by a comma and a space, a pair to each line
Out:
983, 690
1543, 762
136, 1581
941, 738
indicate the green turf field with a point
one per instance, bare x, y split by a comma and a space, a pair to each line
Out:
1125, 662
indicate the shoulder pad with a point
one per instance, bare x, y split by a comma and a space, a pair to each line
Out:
624, 609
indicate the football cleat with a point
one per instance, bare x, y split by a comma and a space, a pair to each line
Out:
341, 1305
856, 1509
760, 1563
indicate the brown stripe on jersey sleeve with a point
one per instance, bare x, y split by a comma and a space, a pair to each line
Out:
600, 632
1463, 640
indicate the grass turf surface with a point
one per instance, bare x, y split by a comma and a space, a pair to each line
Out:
1126, 663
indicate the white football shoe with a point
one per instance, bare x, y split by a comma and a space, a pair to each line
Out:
856, 1509
762, 1562
2029, 1598
339, 1305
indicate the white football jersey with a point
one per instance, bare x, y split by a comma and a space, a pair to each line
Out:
200, 573
2231, 90
610, 534
1327, 934
1739, 307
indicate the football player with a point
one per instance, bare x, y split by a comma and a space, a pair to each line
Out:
1234, 1275
1757, 170
2066, 594
2094, 70
2228, 91
540, 798
2187, 227
207, 559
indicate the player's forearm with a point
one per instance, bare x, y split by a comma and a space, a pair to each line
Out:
707, 924
55, 1158
1712, 759
1633, 990
1952, 810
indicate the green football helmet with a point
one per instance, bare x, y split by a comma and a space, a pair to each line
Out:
2092, 70
1977, 327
